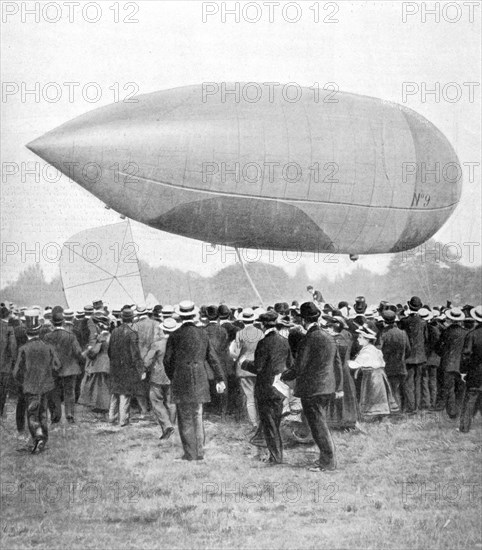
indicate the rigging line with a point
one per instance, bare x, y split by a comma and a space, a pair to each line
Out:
88, 283
122, 247
248, 277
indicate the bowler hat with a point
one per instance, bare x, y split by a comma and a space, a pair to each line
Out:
224, 311
415, 303
308, 310
127, 315
269, 318
212, 312
389, 316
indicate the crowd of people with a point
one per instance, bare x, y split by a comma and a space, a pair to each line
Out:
335, 366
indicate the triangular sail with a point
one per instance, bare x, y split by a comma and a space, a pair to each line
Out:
101, 264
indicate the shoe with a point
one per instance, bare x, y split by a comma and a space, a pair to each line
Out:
167, 434
180, 458
38, 447
322, 469
70, 420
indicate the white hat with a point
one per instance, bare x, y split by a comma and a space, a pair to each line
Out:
169, 325
476, 313
425, 314
186, 308
367, 333
455, 314
247, 314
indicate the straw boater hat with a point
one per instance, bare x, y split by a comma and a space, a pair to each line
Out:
69, 315
169, 325
186, 308
247, 315
80, 314
425, 314
141, 311
367, 333
455, 314
476, 313
167, 311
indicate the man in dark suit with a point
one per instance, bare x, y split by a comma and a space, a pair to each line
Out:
317, 383
69, 353
450, 347
126, 368
271, 358
472, 367
36, 366
186, 352
395, 347
8, 354
416, 387
219, 341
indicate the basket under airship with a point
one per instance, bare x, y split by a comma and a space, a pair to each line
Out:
340, 172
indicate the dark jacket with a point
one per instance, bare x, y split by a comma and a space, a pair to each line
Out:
186, 352
68, 351
450, 347
8, 347
414, 326
472, 358
126, 364
271, 357
315, 365
433, 330
219, 341
395, 347
36, 366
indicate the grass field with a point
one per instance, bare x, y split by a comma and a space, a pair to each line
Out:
415, 483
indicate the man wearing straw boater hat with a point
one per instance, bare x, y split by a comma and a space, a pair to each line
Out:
36, 366
450, 348
472, 367
186, 352
159, 383
244, 347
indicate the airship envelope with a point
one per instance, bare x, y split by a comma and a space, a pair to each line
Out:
332, 172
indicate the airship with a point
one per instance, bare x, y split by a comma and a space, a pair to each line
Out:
335, 172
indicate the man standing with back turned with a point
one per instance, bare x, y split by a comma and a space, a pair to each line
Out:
317, 383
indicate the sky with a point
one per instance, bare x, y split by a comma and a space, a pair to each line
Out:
370, 48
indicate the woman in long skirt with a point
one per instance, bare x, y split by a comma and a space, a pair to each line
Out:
342, 413
376, 398
95, 390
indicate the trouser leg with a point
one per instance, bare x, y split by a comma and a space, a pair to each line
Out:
37, 417
124, 409
247, 387
315, 412
68, 383
409, 389
270, 418
4, 380
114, 408
472, 402
191, 429
21, 409
158, 401
423, 372
54, 399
